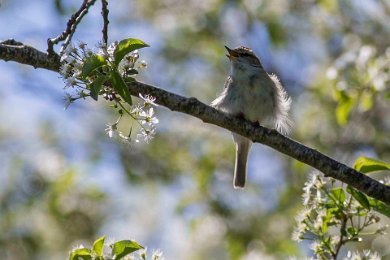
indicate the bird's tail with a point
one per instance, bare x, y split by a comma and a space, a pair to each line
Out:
242, 150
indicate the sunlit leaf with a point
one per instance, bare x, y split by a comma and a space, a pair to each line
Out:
328, 5
97, 248
380, 207
366, 165
121, 87
80, 253
366, 100
92, 63
352, 231
359, 196
124, 247
338, 194
126, 46
344, 108
325, 221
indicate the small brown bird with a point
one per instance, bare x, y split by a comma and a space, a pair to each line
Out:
257, 96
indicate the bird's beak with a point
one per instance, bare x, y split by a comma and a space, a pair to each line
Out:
232, 54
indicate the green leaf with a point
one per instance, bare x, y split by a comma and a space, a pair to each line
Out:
366, 165
132, 72
97, 248
129, 79
343, 232
359, 196
126, 46
92, 63
80, 253
124, 247
121, 87
96, 86
366, 100
338, 194
380, 207
324, 227
352, 231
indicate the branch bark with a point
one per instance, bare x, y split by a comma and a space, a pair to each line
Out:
11, 50
15, 51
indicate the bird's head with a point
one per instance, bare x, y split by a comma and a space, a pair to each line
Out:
243, 58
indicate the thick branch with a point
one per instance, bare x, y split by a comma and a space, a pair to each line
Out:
259, 134
11, 50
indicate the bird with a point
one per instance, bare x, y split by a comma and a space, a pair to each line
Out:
250, 92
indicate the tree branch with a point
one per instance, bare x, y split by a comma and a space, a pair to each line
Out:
11, 50
105, 21
15, 51
67, 35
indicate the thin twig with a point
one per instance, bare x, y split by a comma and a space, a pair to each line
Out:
67, 35
341, 242
342, 232
105, 21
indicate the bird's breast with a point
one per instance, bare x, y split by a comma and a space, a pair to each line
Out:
251, 96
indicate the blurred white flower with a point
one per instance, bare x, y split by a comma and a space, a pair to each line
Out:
303, 214
382, 230
297, 235
157, 255
365, 255
331, 73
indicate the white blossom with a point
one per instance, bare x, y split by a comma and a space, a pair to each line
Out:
297, 235
148, 118
70, 81
64, 69
303, 215
148, 100
111, 130
110, 51
316, 247
146, 134
68, 100
143, 64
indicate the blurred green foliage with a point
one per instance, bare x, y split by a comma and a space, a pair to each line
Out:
333, 58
